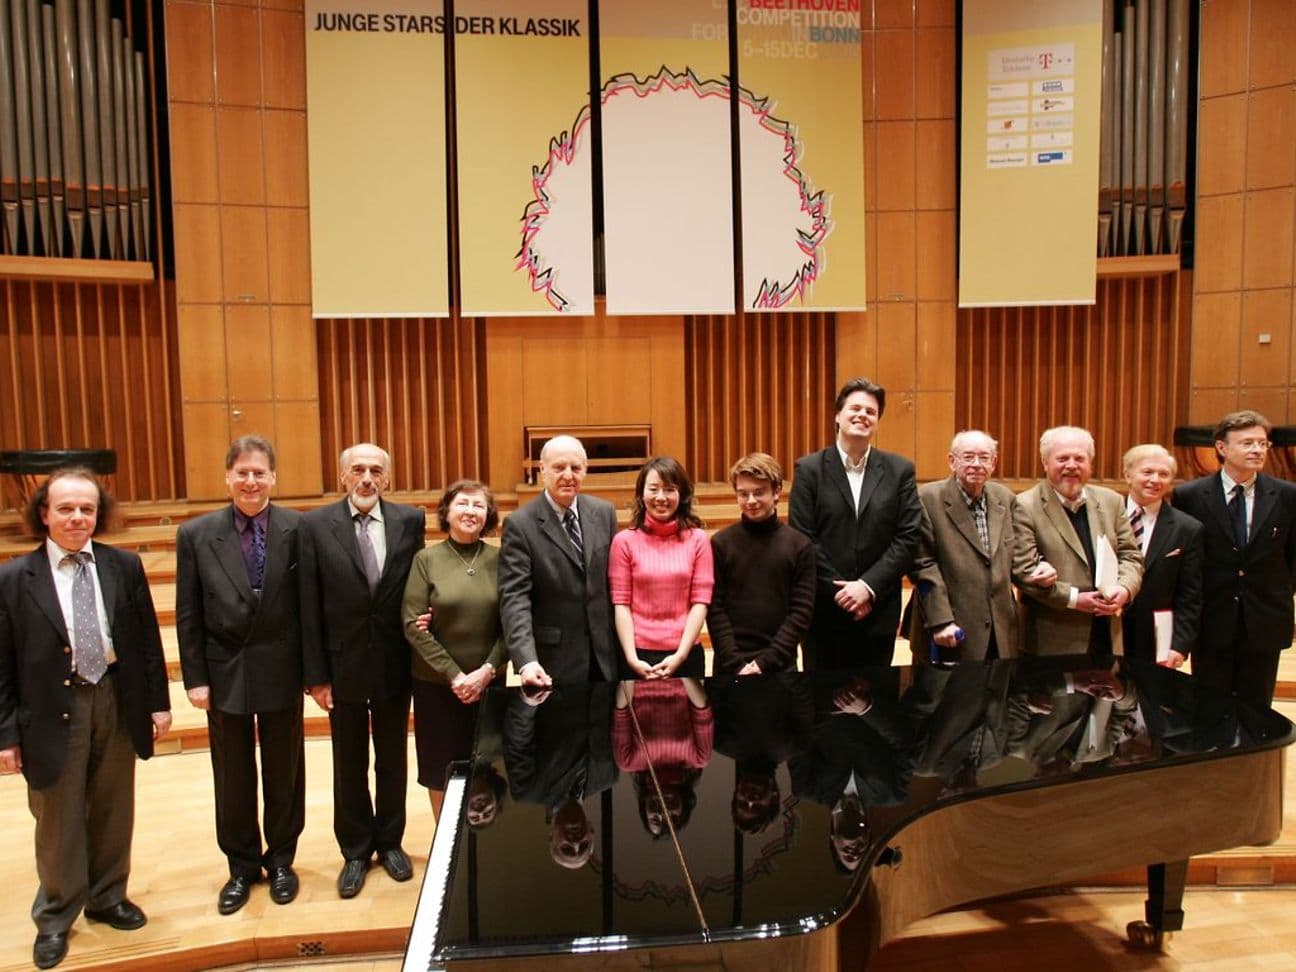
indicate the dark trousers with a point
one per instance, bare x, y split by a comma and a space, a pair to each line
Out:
1236, 667
283, 783
845, 645
362, 825
84, 822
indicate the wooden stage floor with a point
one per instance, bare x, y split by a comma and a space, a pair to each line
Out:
178, 871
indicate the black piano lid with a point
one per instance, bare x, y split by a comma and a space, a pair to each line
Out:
783, 791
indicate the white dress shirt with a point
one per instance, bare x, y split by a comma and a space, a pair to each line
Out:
854, 473
1150, 513
1248, 496
64, 574
375, 528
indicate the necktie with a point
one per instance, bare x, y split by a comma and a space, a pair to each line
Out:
572, 527
257, 555
1136, 524
91, 660
368, 556
1237, 513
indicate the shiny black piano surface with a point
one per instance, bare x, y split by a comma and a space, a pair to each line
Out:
610, 816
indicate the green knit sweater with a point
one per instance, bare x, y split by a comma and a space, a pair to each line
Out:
465, 629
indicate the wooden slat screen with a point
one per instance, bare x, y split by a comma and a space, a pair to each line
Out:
1118, 368
757, 382
417, 387
89, 366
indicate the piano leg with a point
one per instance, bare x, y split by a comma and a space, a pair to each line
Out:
1163, 910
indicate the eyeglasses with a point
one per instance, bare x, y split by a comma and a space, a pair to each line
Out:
975, 458
1253, 445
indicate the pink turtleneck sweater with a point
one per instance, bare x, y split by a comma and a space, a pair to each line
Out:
659, 573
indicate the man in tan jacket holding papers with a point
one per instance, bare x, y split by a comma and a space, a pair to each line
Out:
1082, 531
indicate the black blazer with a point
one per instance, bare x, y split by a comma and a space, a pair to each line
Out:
555, 609
352, 640
248, 650
1260, 577
1172, 581
36, 662
877, 545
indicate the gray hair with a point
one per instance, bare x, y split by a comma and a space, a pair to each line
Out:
344, 460
1148, 450
967, 433
1059, 431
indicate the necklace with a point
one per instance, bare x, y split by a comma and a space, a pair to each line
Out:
468, 566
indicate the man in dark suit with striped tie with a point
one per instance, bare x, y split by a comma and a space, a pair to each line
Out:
1249, 522
355, 557
1171, 542
83, 691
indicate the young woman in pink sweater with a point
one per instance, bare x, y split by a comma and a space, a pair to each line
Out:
660, 575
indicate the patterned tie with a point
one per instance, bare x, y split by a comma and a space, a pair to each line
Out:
368, 555
572, 526
257, 555
1136, 524
1237, 513
91, 659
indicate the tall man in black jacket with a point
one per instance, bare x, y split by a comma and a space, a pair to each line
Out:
238, 622
83, 691
354, 558
1249, 522
860, 507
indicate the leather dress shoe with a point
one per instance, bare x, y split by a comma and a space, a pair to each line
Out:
283, 884
124, 915
50, 949
352, 878
234, 894
396, 863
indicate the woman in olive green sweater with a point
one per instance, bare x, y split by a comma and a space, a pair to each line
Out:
461, 651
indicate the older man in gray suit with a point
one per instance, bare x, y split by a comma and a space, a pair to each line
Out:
968, 557
553, 584
1071, 522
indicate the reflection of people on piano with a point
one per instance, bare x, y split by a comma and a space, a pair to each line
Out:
558, 753
861, 756
760, 722
963, 719
663, 728
485, 796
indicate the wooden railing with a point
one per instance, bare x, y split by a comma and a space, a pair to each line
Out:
1119, 368
757, 382
92, 366
415, 386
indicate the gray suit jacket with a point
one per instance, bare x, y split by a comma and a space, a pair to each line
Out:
1051, 628
956, 580
555, 609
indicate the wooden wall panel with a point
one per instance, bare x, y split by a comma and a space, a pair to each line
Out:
760, 382
90, 366
237, 76
414, 386
1245, 269
1118, 368
585, 371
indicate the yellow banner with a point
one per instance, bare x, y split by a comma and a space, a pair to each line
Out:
802, 149
375, 76
1032, 86
526, 225
667, 165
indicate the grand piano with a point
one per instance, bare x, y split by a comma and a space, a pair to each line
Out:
803, 820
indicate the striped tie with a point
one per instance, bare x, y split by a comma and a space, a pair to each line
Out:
1136, 524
